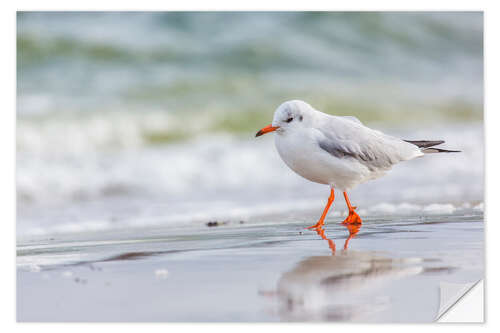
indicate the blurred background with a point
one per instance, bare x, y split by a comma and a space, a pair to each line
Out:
130, 120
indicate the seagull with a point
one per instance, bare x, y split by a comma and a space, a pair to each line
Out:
338, 151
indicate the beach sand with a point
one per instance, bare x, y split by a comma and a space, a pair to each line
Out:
389, 271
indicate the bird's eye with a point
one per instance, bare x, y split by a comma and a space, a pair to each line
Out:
289, 120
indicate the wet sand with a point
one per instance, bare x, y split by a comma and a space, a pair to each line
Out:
387, 270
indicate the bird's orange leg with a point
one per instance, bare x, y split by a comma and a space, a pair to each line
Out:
353, 217
325, 211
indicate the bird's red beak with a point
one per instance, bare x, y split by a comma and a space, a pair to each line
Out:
267, 129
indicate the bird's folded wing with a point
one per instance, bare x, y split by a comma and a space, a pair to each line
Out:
344, 138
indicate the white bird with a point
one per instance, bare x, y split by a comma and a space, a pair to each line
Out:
337, 151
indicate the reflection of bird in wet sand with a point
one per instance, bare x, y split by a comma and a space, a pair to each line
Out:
353, 230
338, 151
321, 233
347, 285
339, 287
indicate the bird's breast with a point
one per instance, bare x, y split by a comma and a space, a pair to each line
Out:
301, 152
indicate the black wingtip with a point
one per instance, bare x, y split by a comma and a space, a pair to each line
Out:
425, 143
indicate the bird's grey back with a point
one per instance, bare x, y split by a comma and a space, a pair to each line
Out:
345, 137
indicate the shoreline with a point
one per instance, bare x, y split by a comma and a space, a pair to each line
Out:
253, 273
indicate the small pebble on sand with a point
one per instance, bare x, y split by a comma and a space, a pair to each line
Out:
215, 223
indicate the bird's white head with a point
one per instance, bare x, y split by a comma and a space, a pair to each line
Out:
289, 115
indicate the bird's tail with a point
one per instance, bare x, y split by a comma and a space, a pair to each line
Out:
426, 144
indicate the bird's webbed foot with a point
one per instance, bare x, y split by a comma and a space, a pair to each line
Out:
353, 217
316, 226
